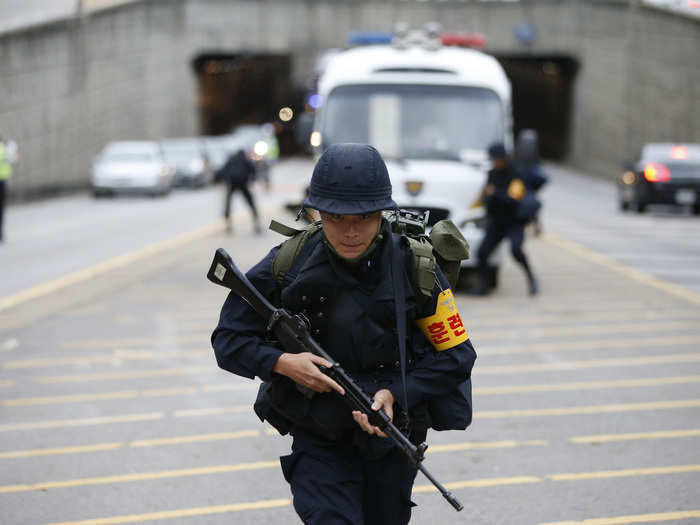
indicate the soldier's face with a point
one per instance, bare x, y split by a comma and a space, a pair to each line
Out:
351, 235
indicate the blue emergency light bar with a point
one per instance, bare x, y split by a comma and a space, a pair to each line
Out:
366, 38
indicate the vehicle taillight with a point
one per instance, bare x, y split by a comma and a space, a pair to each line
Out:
655, 172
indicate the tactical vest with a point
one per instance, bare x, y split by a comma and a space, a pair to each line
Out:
308, 285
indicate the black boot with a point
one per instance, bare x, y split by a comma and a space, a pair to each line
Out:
483, 288
533, 286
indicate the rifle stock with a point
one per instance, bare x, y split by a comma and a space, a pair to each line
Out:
293, 334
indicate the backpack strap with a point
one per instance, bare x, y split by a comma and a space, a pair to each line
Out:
291, 247
425, 265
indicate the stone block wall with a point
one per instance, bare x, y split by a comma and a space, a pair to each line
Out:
68, 88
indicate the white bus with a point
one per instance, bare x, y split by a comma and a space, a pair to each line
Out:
432, 111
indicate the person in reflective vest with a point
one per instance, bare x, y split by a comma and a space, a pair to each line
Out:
7, 158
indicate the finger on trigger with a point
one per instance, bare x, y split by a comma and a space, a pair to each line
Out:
335, 386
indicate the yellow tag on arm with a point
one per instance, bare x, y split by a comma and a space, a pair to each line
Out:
516, 189
444, 329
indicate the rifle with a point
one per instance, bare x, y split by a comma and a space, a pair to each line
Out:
292, 332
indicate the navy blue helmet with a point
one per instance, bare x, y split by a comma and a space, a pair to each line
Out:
350, 179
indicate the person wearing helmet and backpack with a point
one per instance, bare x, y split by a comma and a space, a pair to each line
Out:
412, 356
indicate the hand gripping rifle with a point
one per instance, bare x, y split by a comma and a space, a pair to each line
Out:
293, 334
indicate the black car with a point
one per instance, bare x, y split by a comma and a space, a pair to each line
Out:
664, 174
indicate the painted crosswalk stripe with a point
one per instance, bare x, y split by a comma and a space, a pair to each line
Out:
219, 436
60, 450
634, 436
591, 363
586, 385
182, 513
141, 476
588, 344
261, 465
122, 394
66, 423
137, 374
237, 409
625, 473
591, 409
239, 434
633, 518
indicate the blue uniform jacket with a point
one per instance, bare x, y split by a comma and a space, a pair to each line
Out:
240, 345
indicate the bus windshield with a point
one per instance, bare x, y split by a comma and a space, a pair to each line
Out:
414, 121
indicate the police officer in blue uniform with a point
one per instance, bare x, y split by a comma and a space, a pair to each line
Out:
342, 470
507, 211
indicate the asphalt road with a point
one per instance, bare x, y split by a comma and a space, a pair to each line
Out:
587, 397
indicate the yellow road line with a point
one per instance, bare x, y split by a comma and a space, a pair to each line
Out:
634, 518
61, 361
103, 267
624, 473
196, 412
478, 483
59, 451
194, 439
628, 271
224, 387
633, 436
157, 442
182, 513
138, 374
121, 394
501, 369
221, 436
65, 423
591, 363
586, 385
116, 358
120, 355
634, 327
587, 344
121, 342
494, 390
482, 414
202, 337
75, 398
586, 316
474, 445
591, 409
142, 476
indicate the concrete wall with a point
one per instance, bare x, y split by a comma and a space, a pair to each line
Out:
68, 88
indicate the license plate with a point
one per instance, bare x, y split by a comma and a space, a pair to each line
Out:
686, 197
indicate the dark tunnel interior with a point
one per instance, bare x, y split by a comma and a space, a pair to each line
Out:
250, 88
542, 98
245, 88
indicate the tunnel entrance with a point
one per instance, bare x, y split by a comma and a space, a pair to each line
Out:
244, 88
542, 98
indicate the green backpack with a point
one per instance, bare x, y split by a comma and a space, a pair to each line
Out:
444, 246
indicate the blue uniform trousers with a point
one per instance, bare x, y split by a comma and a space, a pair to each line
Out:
335, 483
495, 233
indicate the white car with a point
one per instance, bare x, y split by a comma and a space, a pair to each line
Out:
131, 167
432, 111
254, 139
187, 158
